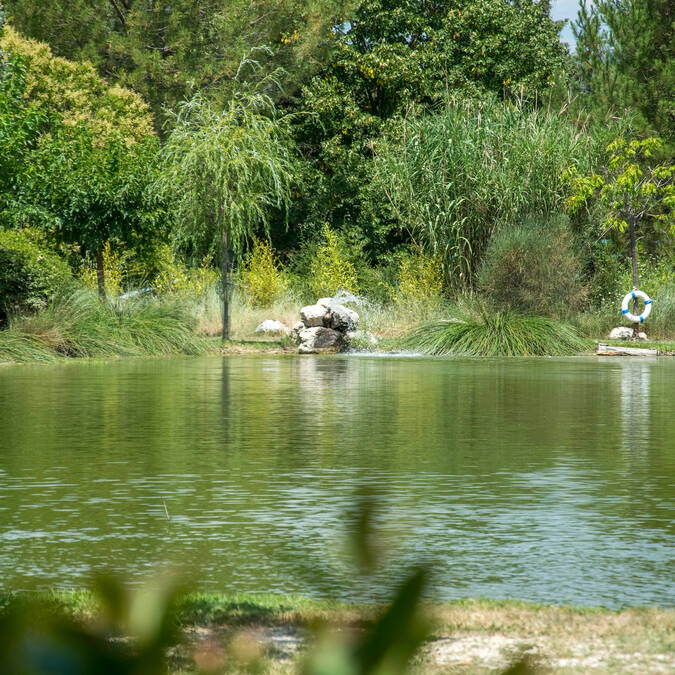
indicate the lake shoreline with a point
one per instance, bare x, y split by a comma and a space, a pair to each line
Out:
284, 347
472, 635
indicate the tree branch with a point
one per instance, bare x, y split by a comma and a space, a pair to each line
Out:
120, 13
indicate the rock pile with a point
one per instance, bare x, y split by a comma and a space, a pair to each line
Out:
325, 327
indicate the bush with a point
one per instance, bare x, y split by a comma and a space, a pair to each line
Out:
114, 268
489, 333
332, 270
261, 277
29, 274
534, 269
172, 276
420, 278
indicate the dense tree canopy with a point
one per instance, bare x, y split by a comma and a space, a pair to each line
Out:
389, 55
79, 153
168, 49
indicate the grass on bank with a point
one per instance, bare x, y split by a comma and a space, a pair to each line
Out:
470, 635
78, 325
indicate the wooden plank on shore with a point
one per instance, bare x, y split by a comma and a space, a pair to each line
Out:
610, 350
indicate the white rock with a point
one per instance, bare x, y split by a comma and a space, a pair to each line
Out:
318, 338
271, 326
314, 315
621, 333
343, 319
643, 337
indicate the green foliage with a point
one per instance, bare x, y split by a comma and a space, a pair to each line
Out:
332, 270
489, 333
166, 51
172, 276
453, 178
83, 152
20, 126
420, 279
29, 273
90, 192
77, 324
75, 93
262, 280
534, 268
388, 55
625, 56
632, 187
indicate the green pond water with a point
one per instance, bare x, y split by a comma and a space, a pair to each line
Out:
550, 480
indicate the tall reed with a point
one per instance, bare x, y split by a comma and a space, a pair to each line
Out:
454, 176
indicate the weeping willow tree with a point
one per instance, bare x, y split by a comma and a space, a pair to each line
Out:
225, 169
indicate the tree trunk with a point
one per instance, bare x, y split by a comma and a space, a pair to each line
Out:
100, 275
633, 257
226, 288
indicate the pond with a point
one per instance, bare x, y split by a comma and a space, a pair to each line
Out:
549, 480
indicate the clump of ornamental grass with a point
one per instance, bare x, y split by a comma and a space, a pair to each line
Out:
497, 333
78, 324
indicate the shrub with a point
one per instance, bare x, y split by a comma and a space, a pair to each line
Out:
29, 273
174, 277
261, 277
534, 269
114, 269
489, 333
332, 270
420, 279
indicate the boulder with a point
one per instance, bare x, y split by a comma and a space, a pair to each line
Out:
295, 331
314, 315
319, 338
621, 333
625, 333
343, 319
271, 326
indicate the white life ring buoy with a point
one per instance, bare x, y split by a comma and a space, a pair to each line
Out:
645, 312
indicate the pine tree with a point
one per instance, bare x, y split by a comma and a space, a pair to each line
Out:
625, 58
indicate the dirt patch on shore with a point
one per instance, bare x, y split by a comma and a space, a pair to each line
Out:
477, 639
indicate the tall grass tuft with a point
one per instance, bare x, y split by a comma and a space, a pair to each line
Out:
496, 333
77, 324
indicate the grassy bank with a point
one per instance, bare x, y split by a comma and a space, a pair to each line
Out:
77, 324
467, 636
